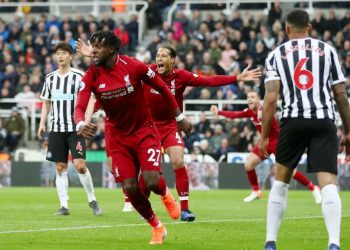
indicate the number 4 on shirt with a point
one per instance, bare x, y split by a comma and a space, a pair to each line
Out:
298, 72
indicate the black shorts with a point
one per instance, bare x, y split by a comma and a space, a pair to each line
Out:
317, 136
61, 142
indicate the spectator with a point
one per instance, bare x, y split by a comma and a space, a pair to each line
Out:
223, 150
15, 129
143, 55
133, 29
275, 13
203, 123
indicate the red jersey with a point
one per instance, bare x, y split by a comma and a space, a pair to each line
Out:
177, 80
255, 118
120, 93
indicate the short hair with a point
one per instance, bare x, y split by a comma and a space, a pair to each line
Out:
298, 18
171, 50
106, 39
64, 46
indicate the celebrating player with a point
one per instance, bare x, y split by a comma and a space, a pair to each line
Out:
254, 113
177, 81
135, 146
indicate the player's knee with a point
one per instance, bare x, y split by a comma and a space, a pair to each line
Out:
177, 162
80, 167
248, 167
61, 167
152, 184
130, 188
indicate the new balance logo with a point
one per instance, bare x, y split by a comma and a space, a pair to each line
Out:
102, 86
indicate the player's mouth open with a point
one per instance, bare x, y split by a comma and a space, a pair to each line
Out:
161, 66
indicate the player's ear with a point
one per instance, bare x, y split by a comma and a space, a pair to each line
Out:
309, 28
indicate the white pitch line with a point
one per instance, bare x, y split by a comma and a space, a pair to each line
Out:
145, 224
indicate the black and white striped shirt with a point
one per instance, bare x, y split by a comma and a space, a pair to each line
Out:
307, 68
62, 91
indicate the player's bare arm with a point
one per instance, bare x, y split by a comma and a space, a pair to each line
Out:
341, 99
249, 75
43, 118
272, 89
90, 109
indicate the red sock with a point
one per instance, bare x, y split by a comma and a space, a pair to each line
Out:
161, 188
303, 180
143, 187
253, 180
154, 222
126, 198
182, 186
143, 206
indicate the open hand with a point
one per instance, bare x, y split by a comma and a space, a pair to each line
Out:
84, 48
249, 75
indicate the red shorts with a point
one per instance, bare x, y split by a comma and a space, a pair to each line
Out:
169, 134
270, 150
131, 154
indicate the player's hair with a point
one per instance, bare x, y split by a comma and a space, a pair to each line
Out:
64, 46
171, 50
298, 18
254, 91
106, 39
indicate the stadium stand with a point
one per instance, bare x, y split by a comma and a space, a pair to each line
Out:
209, 39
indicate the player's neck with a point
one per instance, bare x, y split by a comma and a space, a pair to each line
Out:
111, 61
298, 35
62, 70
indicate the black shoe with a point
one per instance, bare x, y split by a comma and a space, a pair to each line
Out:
62, 211
270, 245
187, 215
95, 208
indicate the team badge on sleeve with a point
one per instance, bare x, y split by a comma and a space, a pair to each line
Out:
81, 86
151, 73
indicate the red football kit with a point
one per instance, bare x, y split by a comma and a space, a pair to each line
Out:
256, 120
134, 140
177, 80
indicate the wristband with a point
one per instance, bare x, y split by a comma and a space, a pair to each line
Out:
79, 124
179, 118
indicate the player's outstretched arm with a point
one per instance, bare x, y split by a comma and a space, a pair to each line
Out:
84, 48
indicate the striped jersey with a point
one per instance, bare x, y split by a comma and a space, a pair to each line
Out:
306, 68
62, 91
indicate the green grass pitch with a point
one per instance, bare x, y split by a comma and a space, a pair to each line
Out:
224, 221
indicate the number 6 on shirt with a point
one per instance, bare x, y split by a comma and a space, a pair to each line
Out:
303, 72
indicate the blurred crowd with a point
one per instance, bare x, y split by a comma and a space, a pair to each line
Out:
206, 44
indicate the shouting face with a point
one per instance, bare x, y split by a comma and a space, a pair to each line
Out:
164, 61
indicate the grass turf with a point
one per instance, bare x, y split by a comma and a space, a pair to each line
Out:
27, 221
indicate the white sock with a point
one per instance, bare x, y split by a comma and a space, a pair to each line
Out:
331, 209
86, 181
62, 188
276, 206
